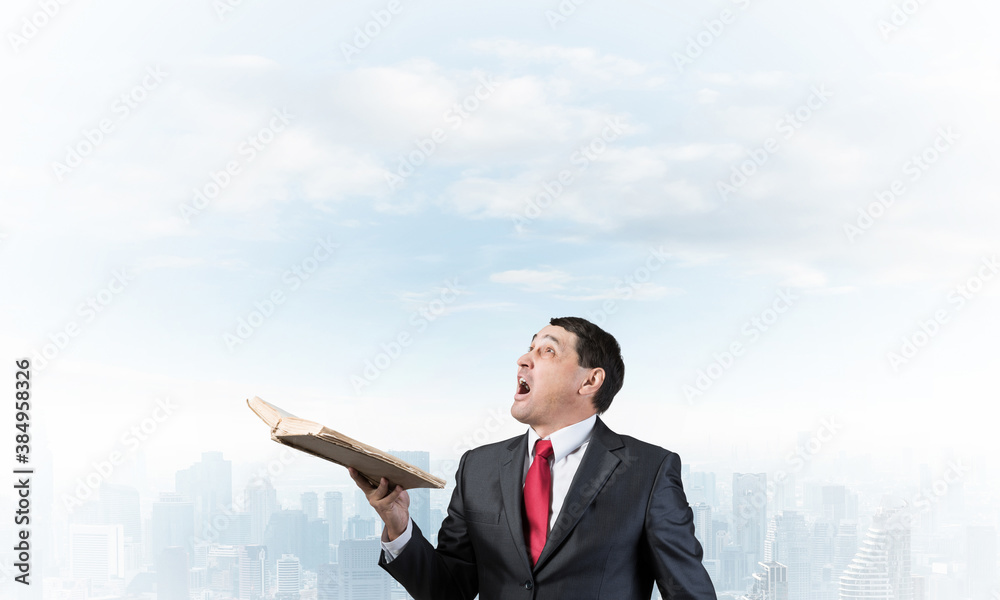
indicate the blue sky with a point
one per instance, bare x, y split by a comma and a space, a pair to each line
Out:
644, 109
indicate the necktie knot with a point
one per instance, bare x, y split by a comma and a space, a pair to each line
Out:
543, 449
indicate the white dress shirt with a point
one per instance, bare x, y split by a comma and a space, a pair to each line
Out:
568, 447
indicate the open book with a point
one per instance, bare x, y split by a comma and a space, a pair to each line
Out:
315, 439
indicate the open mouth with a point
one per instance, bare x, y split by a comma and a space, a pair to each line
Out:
522, 386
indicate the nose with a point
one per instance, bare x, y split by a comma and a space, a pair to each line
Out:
524, 360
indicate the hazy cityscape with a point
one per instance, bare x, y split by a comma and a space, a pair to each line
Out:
778, 535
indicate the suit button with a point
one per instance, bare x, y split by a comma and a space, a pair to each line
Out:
528, 585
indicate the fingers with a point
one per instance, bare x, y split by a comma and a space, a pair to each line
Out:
392, 495
361, 481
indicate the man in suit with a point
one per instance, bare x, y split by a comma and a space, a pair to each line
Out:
568, 511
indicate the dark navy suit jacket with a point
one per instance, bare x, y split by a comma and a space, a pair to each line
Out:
624, 524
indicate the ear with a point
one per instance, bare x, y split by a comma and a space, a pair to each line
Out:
590, 385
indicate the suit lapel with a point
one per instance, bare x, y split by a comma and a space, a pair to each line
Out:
595, 469
512, 488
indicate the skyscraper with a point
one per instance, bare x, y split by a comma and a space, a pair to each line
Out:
360, 576
981, 560
328, 582
253, 582
703, 529
821, 544
261, 501
333, 512
285, 534
845, 545
310, 505
770, 582
787, 542
172, 574
750, 518
288, 578
97, 552
881, 568
834, 503
701, 488
172, 525
208, 485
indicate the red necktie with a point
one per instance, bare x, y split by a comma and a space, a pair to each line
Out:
538, 499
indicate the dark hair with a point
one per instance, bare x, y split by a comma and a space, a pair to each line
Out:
596, 348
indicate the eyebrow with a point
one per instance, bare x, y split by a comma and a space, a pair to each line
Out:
546, 336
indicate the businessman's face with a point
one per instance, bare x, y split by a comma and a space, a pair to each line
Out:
549, 378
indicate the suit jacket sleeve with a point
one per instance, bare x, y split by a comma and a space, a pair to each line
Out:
675, 553
450, 571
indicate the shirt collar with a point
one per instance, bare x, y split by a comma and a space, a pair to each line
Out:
566, 440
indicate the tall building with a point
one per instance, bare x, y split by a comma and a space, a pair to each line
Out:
981, 560
328, 582
360, 576
288, 578
834, 503
208, 485
787, 542
120, 506
881, 568
700, 488
285, 534
420, 498
221, 570
172, 524
310, 505
703, 529
750, 518
97, 552
253, 578
845, 545
333, 512
770, 582
823, 584
317, 544
172, 574
261, 501
361, 529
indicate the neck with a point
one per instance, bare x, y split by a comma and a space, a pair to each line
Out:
547, 429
